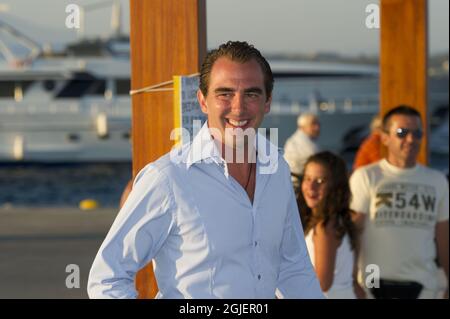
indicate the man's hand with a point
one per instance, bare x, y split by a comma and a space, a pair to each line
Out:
359, 291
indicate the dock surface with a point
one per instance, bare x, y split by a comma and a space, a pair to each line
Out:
37, 244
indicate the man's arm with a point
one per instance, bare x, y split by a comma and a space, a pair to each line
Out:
442, 248
138, 232
360, 204
126, 192
359, 220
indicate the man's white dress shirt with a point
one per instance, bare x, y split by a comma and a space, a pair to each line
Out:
204, 235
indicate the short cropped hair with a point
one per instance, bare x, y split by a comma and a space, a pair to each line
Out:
305, 118
236, 51
399, 110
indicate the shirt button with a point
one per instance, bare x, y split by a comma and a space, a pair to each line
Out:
259, 277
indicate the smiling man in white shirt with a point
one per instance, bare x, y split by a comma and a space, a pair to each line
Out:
214, 226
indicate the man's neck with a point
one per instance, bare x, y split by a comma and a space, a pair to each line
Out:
240, 155
404, 164
245, 174
307, 135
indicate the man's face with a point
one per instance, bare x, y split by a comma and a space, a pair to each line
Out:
236, 99
312, 128
402, 151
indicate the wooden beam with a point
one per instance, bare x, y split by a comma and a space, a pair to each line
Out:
167, 37
403, 59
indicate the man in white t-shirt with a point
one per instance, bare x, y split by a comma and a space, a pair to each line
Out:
403, 210
302, 144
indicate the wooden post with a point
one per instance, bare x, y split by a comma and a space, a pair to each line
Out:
167, 37
403, 59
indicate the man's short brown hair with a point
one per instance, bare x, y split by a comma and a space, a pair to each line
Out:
238, 52
399, 110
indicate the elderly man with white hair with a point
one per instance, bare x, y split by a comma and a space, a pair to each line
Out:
301, 144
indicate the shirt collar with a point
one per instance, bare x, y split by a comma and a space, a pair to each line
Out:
303, 134
399, 170
203, 149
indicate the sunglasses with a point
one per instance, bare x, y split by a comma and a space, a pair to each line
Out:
403, 132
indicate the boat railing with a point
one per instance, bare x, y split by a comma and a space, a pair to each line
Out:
363, 104
119, 107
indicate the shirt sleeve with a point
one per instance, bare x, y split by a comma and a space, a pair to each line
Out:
297, 278
443, 211
291, 156
138, 232
359, 186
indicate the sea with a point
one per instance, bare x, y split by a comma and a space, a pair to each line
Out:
45, 185
62, 184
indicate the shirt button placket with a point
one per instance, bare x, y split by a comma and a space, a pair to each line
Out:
256, 247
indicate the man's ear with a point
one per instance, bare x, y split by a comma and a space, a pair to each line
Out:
202, 101
384, 138
267, 105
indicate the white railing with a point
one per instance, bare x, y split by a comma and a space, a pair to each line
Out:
120, 107
366, 104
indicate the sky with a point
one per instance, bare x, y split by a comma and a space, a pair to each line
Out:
273, 26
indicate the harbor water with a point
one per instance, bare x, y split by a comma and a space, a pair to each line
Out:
38, 185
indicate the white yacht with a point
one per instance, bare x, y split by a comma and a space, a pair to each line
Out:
63, 107
79, 109
64, 110
75, 106
345, 97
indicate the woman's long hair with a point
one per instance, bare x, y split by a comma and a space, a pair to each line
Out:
335, 207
